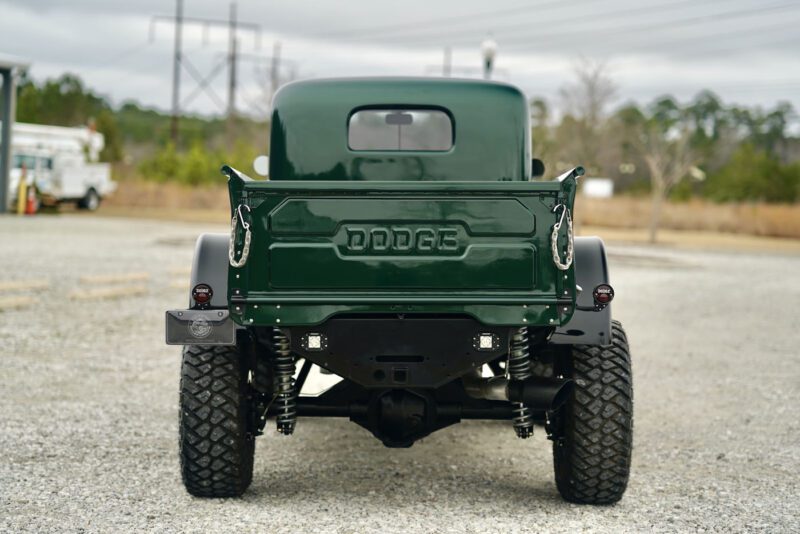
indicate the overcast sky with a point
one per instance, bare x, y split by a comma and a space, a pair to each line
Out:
747, 51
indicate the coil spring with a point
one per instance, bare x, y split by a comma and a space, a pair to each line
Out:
519, 368
286, 395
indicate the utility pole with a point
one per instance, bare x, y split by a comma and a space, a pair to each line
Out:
9, 70
176, 71
232, 77
203, 82
447, 64
275, 69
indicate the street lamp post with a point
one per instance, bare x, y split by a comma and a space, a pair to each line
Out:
489, 51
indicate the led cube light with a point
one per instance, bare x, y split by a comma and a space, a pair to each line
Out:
485, 341
314, 341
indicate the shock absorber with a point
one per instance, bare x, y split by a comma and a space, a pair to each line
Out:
286, 395
519, 368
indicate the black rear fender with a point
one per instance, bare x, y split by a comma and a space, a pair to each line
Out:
591, 269
210, 266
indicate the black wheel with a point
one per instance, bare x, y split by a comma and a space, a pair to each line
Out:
216, 445
594, 429
90, 202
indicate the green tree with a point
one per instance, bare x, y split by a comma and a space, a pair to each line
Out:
107, 125
765, 130
753, 174
163, 166
63, 101
198, 165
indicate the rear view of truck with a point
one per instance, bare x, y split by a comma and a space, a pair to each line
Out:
401, 245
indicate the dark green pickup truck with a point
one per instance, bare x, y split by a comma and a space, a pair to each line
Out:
403, 244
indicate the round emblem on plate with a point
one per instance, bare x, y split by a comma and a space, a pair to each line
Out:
200, 327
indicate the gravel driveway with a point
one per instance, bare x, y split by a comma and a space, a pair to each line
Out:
88, 406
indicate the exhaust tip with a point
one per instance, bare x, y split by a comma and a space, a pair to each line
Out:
541, 393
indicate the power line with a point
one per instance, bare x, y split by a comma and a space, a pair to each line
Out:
450, 19
437, 32
760, 90
124, 54
624, 31
761, 84
552, 40
233, 27
252, 27
689, 44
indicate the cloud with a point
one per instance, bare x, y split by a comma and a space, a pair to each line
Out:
749, 58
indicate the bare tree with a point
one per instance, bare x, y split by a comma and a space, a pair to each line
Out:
669, 157
267, 83
270, 75
586, 101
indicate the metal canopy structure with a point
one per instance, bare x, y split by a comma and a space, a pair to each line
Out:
9, 68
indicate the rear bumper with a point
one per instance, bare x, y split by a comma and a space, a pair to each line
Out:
308, 311
400, 351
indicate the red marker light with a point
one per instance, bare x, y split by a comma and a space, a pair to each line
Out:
202, 293
603, 294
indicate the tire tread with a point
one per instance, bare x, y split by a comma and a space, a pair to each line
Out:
592, 461
216, 449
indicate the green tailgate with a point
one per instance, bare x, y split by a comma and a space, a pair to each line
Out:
322, 248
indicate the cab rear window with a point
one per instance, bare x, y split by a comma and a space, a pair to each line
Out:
410, 130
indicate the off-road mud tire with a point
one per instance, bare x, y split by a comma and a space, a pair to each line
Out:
216, 446
592, 458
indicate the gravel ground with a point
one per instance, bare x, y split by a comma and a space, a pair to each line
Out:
88, 408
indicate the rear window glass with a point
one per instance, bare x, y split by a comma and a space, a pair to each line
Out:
400, 130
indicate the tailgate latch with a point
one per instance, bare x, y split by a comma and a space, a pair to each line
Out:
563, 266
232, 246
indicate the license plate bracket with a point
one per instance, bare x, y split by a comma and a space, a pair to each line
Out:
200, 327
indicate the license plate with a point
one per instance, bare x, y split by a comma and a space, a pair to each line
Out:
200, 327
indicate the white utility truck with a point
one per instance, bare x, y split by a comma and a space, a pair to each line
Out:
61, 163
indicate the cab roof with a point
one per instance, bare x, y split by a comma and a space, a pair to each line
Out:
309, 137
